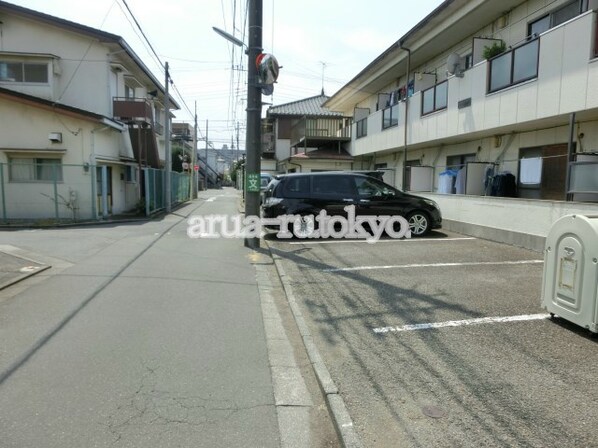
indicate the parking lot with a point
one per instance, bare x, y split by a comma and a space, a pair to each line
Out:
441, 341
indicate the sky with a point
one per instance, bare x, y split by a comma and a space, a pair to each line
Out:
318, 43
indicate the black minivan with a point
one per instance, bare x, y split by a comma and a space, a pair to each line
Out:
308, 193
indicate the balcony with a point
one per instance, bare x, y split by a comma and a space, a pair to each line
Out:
514, 66
547, 77
132, 110
316, 132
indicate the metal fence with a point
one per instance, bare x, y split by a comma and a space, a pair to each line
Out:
180, 189
41, 191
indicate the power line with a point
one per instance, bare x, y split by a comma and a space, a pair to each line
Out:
180, 96
83, 58
141, 30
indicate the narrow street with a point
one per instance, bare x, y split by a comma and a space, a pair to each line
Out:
137, 336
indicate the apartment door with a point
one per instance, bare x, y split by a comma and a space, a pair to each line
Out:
104, 186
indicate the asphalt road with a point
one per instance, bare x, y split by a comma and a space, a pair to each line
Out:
137, 337
402, 328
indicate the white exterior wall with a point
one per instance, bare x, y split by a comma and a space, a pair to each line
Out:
88, 83
517, 216
283, 149
26, 128
567, 82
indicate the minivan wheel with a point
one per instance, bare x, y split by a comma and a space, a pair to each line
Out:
419, 223
304, 226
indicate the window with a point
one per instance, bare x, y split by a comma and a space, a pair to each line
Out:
297, 187
556, 17
23, 72
435, 98
333, 186
362, 127
514, 66
390, 116
468, 61
367, 188
129, 92
27, 169
130, 174
539, 26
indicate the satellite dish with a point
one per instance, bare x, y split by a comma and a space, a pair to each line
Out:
453, 65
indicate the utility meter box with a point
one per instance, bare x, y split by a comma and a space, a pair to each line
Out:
570, 281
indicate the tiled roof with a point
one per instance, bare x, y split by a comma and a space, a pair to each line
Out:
309, 106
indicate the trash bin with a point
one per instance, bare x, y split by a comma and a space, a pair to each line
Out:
570, 280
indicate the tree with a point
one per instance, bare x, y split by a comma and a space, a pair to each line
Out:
180, 155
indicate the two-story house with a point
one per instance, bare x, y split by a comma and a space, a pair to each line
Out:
491, 109
80, 117
304, 136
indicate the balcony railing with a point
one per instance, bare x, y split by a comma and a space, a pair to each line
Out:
321, 129
435, 98
132, 109
514, 66
390, 116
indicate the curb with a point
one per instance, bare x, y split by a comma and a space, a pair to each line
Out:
29, 267
342, 420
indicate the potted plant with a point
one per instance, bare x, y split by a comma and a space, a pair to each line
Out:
495, 49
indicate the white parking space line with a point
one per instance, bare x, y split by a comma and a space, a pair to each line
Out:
404, 240
461, 323
433, 265
212, 199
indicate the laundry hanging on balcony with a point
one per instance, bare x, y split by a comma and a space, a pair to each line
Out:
530, 171
446, 181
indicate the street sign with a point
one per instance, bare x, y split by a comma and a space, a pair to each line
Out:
253, 182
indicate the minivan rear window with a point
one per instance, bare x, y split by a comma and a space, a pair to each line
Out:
296, 187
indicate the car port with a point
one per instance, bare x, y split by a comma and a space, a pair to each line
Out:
442, 341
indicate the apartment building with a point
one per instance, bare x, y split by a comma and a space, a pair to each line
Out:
80, 117
491, 109
304, 136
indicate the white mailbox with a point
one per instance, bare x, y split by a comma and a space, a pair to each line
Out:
570, 284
